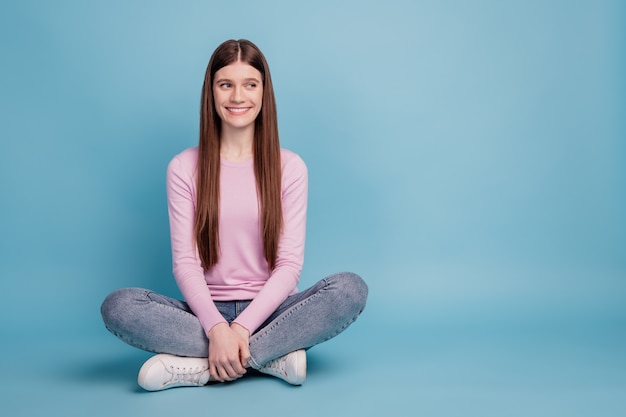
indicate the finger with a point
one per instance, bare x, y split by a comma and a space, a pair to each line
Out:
245, 358
237, 366
222, 373
227, 372
239, 370
214, 373
245, 361
235, 370
244, 353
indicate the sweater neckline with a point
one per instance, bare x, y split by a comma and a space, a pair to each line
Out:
246, 163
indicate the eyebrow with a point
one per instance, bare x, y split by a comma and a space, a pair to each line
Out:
221, 80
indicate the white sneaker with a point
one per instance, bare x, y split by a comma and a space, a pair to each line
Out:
291, 367
165, 371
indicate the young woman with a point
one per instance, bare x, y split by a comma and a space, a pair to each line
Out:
237, 210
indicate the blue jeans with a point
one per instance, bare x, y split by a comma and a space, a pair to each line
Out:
161, 324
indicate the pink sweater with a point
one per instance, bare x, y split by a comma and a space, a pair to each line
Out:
242, 271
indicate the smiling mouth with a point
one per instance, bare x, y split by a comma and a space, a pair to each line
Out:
238, 109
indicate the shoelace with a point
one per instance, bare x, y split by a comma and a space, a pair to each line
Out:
186, 375
277, 365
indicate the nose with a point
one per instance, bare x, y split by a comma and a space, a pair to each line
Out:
237, 95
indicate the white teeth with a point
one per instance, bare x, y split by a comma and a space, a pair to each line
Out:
237, 110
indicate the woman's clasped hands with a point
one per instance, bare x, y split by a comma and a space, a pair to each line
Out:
228, 351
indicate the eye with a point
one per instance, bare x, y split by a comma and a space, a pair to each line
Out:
224, 85
251, 85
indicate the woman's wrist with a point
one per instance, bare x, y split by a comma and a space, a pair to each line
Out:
219, 327
240, 329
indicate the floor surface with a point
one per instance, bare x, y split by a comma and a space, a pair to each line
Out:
403, 367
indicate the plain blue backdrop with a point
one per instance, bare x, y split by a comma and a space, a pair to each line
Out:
467, 158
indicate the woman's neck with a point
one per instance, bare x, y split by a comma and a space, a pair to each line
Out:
236, 144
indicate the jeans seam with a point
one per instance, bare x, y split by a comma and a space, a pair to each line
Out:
176, 309
344, 327
280, 319
149, 301
129, 341
290, 311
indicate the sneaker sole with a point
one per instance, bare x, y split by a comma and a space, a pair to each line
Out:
300, 376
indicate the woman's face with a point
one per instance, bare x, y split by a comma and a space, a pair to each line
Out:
238, 95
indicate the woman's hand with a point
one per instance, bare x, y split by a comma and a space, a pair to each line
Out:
244, 354
228, 347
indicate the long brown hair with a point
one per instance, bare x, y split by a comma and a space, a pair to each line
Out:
267, 163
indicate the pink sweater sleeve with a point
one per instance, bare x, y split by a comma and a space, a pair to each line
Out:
187, 267
284, 278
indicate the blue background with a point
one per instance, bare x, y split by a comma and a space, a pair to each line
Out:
468, 159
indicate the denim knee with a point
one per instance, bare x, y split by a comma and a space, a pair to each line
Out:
352, 289
116, 306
